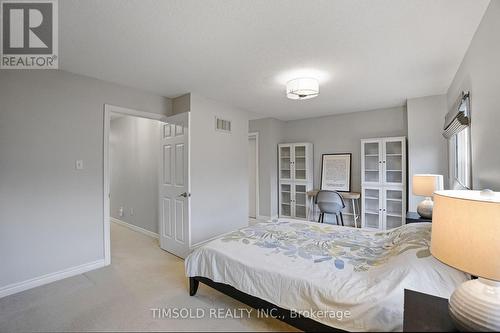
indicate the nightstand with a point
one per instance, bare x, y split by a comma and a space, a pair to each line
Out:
426, 313
412, 217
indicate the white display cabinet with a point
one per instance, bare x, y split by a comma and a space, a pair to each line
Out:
295, 169
383, 176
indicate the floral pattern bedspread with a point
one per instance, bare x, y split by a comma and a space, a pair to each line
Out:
362, 250
307, 266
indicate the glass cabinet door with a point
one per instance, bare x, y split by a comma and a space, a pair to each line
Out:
393, 208
300, 201
300, 162
372, 162
372, 214
286, 200
285, 162
393, 162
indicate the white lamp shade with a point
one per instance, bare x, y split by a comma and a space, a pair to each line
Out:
302, 88
426, 184
466, 231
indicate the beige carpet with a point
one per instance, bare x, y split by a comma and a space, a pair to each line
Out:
121, 296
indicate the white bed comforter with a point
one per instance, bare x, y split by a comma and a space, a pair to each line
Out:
307, 266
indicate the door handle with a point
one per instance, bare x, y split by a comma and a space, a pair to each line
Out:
185, 195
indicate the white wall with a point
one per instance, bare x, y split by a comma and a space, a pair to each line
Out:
181, 104
332, 134
219, 170
480, 74
51, 215
270, 135
427, 148
134, 144
343, 133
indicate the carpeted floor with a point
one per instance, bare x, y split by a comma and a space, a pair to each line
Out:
120, 297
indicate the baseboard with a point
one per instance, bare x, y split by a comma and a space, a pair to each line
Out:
193, 246
135, 228
51, 277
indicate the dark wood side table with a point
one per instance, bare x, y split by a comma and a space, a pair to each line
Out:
426, 313
412, 217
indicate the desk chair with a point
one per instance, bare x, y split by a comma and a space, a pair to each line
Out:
330, 202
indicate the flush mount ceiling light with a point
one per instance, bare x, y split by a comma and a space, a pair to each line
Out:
302, 88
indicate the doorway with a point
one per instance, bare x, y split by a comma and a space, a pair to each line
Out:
253, 175
169, 220
115, 113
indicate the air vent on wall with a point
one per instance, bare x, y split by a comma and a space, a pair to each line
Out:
222, 125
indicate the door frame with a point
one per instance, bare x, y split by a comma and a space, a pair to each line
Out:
110, 109
255, 135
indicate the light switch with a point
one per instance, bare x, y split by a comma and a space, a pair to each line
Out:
79, 164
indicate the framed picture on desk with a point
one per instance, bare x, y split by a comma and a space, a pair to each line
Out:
336, 172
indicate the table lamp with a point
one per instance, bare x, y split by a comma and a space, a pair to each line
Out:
426, 185
466, 236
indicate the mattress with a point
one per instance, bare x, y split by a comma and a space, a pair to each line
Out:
347, 278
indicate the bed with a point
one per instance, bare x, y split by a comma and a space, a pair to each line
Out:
332, 277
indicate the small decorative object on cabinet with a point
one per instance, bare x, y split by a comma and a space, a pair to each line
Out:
295, 168
383, 182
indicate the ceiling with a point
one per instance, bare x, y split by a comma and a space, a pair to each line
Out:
367, 54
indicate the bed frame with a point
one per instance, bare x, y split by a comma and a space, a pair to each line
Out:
302, 323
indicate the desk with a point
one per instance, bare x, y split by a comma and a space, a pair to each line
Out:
353, 196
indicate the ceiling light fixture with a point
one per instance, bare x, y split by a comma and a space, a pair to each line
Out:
302, 88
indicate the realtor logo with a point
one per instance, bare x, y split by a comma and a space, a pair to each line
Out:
29, 34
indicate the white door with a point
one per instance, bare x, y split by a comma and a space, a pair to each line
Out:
285, 162
371, 161
372, 208
300, 201
252, 177
394, 207
394, 163
174, 185
299, 162
286, 199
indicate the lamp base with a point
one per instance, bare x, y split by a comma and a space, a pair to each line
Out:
424, 208
475, 306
